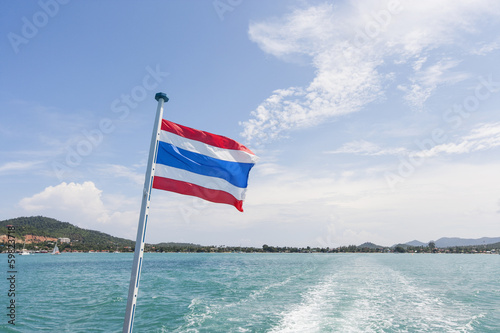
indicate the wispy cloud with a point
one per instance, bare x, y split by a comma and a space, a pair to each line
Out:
18, 166
341, 85
121, 171
483, 137
486, 48
425, 81
362, 147
350, 47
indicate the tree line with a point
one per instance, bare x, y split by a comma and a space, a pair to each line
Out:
89, 240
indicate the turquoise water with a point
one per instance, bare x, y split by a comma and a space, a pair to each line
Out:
257, 293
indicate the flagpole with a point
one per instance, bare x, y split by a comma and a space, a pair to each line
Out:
143, 218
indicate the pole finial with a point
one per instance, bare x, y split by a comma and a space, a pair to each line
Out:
161, 95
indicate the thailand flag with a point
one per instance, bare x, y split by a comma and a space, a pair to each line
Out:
202, 164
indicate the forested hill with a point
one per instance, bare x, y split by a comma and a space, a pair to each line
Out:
49, 227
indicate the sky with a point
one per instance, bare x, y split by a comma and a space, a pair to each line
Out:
374, 121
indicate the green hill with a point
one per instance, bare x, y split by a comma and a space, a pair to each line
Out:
81, 239
369, 245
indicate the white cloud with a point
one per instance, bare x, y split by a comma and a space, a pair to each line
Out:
69, 197
83, 205
349, 47
442, 199
336, 209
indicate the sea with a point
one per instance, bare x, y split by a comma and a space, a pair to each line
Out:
255, 292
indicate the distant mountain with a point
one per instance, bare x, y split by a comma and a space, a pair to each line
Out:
416, 243
455, 241
369, 245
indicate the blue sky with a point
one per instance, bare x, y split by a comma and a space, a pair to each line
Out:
373, 122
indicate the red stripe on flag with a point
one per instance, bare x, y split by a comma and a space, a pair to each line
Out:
185, 188
202, 136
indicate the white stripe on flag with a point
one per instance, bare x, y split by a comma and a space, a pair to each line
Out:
213, 183
208, 150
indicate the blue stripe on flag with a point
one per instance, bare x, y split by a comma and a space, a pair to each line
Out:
234, 172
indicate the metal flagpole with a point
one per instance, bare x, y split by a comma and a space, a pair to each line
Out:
143, 218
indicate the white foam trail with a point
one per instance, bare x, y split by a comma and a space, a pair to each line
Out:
390, 300
199, 312
366, 296
308, 316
